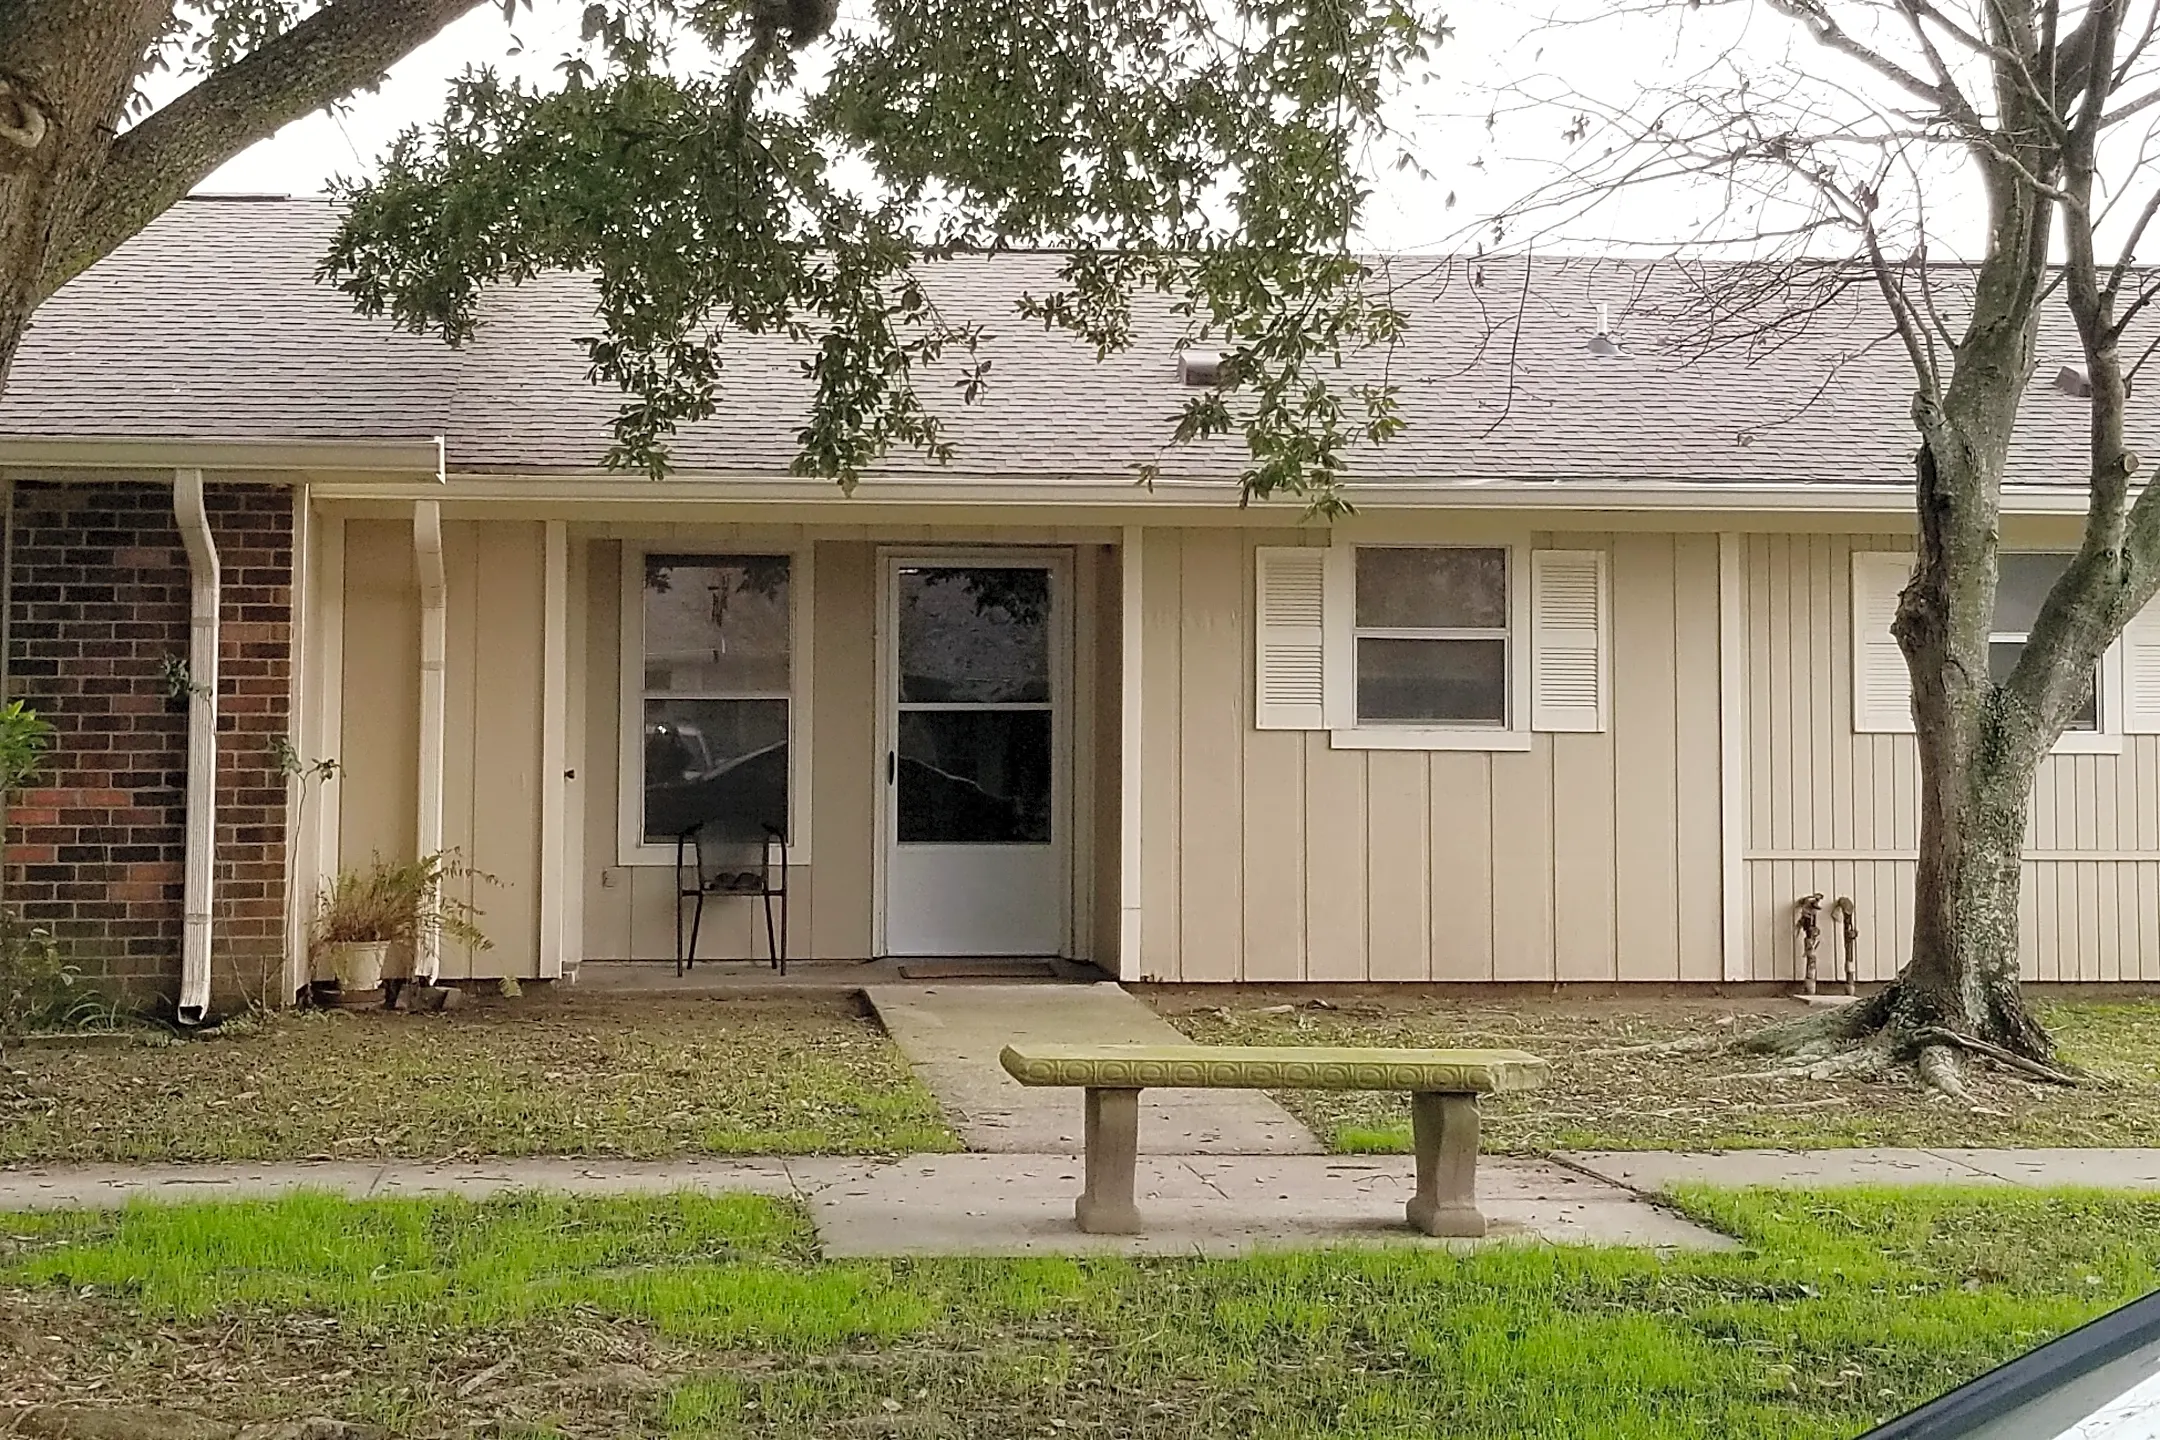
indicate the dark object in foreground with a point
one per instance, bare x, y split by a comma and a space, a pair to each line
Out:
2102, 1381
1444, 1086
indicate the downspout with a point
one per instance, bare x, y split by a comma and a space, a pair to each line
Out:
197, 889
428, 557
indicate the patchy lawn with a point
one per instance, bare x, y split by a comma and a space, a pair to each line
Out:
1606, 1094
539, 1075
684, 1316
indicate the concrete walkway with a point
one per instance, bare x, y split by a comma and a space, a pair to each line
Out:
1652, 1170
981, 1204
951, 1035
1019, 1204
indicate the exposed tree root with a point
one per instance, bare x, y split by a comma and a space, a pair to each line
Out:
1938, 1069
1935, 1036
1871, 1037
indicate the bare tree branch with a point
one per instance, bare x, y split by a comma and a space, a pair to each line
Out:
339, 49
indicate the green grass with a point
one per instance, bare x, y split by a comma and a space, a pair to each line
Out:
1608, 1092
712, 1317
537, 1076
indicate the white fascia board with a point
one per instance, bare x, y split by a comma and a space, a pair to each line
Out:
409, 461
973, 489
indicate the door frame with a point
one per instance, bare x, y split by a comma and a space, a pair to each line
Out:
1070, 729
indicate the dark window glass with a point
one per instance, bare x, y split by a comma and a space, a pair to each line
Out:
974, 635
2003, 658
1432, 589
720, 762
974, 777
1460, 681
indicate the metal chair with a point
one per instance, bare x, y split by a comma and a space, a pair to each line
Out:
703, 867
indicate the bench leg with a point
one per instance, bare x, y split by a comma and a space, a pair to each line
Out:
1446, 1131
1113, 1146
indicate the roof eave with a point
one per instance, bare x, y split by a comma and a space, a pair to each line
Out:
396, 460
969, 488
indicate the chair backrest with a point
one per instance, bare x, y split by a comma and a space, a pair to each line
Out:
711, 853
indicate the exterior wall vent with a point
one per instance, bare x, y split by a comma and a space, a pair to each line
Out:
1199, 368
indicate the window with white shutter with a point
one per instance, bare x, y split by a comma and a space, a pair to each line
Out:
1881, 686
2141, 672
1289, 664
1569, 672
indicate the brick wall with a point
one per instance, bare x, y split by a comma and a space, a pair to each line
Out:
99, 600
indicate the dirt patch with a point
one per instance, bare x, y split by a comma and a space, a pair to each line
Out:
1608, 1093
537, 1075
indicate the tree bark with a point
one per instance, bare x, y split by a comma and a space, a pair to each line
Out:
69, 66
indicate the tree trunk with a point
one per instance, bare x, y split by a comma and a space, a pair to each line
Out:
1964, 972
68, 67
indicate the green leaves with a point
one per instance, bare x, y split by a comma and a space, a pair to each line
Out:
1199, 153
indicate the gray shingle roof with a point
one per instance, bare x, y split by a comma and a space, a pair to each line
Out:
210, 325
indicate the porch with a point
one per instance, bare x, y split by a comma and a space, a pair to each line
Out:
930, 718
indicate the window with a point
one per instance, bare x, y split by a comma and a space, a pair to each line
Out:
715, 701
2023, 581
1461, 646
1432, 635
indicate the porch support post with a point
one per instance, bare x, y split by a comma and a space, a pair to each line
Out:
1732, 756
1130, 556
428, 557
554, 723
301, 820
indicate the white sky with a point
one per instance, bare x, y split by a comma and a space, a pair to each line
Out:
1442, 119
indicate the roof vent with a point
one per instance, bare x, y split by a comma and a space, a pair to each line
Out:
1602, 344
1199, 368
2072, 381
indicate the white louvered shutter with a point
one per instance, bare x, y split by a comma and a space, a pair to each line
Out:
1881, 685
2141, 672
1569, 626
1289, 663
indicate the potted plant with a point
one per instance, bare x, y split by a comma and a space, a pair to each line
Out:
385, 903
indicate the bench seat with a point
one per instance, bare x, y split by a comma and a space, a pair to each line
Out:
1444, 1087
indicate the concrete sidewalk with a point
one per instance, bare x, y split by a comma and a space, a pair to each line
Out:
952, 1034
1648, 1171
981, 1204
1005, 1203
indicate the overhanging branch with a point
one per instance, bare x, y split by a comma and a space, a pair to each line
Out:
339, 49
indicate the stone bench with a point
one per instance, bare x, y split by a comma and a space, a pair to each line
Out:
1444, 1087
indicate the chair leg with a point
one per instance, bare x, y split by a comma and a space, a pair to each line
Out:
783, 932
678, 931
772, 938
697, 918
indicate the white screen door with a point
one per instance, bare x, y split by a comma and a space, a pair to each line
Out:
975, 758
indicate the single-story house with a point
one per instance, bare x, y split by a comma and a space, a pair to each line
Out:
1593, 686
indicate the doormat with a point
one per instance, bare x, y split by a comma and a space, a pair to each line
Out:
979, 970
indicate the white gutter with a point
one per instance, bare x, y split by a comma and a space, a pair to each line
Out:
197, 887
418, 459
546, 494
428, 556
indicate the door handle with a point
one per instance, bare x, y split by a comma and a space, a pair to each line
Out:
892, 766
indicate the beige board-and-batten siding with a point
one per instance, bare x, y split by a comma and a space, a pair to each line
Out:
1270, 855
495, 576
1834, 810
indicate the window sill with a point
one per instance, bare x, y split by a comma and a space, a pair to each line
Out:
1416, 739
2088, 742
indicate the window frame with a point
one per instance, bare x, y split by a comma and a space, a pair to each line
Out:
2106, 737
630, 845
1345, 729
